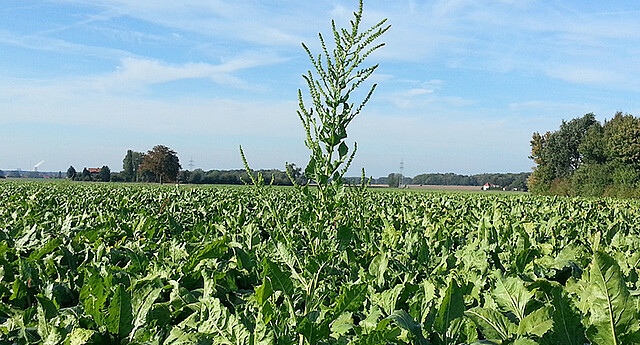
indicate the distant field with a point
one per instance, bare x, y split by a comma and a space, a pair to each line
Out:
435, 187
439, 187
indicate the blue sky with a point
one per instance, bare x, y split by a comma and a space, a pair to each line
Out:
462, 83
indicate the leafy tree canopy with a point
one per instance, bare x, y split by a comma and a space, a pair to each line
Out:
131, 164
162, 163
585, 157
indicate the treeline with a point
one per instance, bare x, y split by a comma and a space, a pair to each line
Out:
240, 176
507, 180
162, 164
510, 181
587, 158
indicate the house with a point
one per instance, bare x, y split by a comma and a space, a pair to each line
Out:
94, 170
488, 186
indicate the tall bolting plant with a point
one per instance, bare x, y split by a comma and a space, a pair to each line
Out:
337, 75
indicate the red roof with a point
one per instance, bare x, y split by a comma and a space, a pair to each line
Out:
94, 170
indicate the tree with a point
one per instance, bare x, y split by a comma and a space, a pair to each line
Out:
622, 138
562, 147
86, 175
586, 158
394, 180
558, 154
105, 174
131, 164
196, 176
162, 163
2, 174
71, 173
592, 147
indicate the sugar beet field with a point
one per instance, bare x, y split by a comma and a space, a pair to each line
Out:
141, 264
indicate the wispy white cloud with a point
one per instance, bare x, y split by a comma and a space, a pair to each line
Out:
54, 104
48, 44
143, 72
588, 75
417, 92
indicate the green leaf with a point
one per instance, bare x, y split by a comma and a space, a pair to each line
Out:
48, 307
291, 261
310, 170
511, 294
342, 325
267, 312
378, 337
217, 320
213, 250
313, 331
279, 280
80, 336
178, 336
378, 267
350, 299
493, 325
536, 323
371, 321
19, 294
343, 149
264, 291
524, 341
612, 310
406, 322
144, 296
387, 299
452, 307
568, 328
93, 295
120, 314
159, 314
50, 247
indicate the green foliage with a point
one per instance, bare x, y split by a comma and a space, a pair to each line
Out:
105, 174
613, 315
586, 158
71, 173
162, 163
393, 180
151, 264
337, 75
131, 164
119, 319
622, 139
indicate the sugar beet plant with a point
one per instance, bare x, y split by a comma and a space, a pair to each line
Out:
140, 264
337, 75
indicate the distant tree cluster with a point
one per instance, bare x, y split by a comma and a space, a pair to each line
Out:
89, 174
585, 157
509, 181
130, 166
505, 180
160, 164
280, 178
393, 180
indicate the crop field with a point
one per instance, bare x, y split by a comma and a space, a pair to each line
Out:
143, 264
